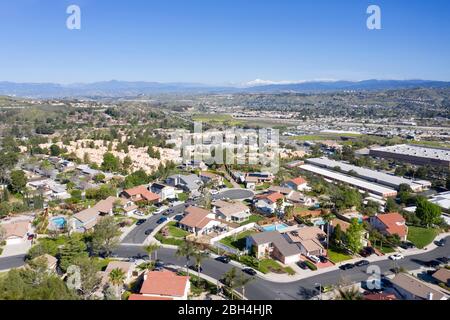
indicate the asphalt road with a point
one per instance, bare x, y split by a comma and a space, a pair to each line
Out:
234, 194
12, 262
261, 289
138, 236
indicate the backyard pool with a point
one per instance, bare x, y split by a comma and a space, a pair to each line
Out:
59, 222
275, 227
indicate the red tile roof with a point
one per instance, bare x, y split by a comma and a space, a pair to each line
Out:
298, 181
138, 297
164, 283
143, 192
195, 217
380, 296
395, 223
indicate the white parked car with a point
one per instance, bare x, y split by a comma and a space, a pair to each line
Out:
396, 257
314, 258
161, 210
214, 192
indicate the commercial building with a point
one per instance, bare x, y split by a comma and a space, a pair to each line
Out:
369, 175
362, 185
414, 154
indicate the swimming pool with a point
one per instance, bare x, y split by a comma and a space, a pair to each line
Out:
275, 227
59, 222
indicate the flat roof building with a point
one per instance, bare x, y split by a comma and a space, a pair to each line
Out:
370, 187
379, 177
418, 155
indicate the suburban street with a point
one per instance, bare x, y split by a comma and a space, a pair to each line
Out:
261, 289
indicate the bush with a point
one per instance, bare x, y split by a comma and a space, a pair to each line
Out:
311, 265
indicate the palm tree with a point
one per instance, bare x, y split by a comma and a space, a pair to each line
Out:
349, 294
231, 280
199, 256
243, 281
186, 250
117, 278
153, 247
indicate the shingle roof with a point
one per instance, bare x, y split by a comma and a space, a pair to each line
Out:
16, 229
195, 217
285, 248
416, 287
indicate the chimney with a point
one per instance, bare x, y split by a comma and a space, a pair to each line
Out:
430, 296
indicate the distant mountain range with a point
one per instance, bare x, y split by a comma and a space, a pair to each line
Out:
133, 89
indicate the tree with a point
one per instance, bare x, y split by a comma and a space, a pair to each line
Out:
349, 294
429, 213
153, 247
18, 181
404, 193
127, 163
186, 250
354, 236
69, 252
391, 206
2, 233
230, 279
99, 177
5, 209
86, 274
345, 198
289, 212
137, 178
105, 237
338, 235
110, 162
117, 278
55, 151
243, 281
199, 257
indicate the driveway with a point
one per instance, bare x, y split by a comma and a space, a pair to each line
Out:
11, 262
235, 194
16, 249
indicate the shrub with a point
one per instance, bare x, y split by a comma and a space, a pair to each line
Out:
311, 265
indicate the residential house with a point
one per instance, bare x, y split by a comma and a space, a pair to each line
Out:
297, 184
231, 211
344, 225
208, 177
411, 288
273, 244
140, 194
268, 202
50, 261
16, 232
84, 220
390, 224
107, 206
163, 285
163, 191
188, 183
194, 165
442, 276
310, 240
198, 221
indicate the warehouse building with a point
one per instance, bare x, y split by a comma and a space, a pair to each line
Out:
362, 185
378, 177
417, 155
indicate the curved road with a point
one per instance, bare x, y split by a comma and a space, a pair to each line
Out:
261, 289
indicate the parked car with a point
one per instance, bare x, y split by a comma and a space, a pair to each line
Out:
214, 192
161, 210
440, 243
140, 221
396, 257
323, 259
224, 259
249, 271
159, 263
148, 232
161, 220
407, 245
347, 266
367, 252
314, 259
362, 263
302, 265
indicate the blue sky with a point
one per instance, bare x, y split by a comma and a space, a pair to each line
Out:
223, 41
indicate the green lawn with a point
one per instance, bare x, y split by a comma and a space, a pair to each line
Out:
183, 196
270, 265
238, 241
253, 218
176, 232
421, 237
385, 249
227, 183
336, 255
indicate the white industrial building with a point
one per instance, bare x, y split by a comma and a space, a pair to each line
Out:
378, 177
